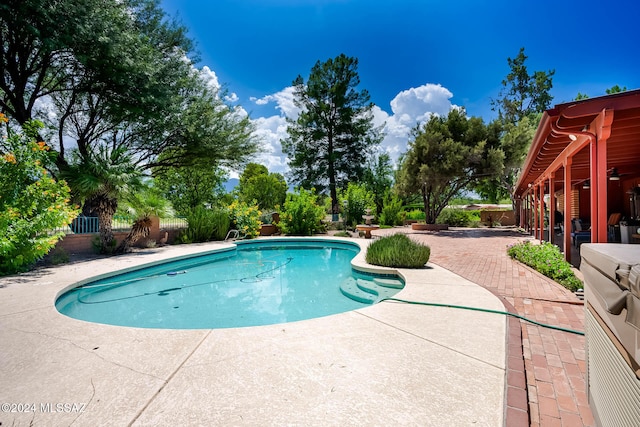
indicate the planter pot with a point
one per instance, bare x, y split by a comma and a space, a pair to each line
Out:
268, 229
430, 227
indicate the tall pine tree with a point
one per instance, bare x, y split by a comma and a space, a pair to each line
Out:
333, 136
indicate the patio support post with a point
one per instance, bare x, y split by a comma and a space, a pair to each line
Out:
527, 206
603, 131
567, 208
529, 211
535, 212
552, 206
541, 212
595, 183
525, 211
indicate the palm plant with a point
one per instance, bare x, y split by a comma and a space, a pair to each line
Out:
144, 204
98, 180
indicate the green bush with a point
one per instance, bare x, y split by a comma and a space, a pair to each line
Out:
392, 212
200, 226
301, 215
416, 214
31, 202
205, 225
58, 256
548, 260
398, 251
358, 199
245, 219
221, 223
457, 217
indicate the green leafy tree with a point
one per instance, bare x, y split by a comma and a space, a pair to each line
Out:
268, 190
616, 89
514, 143
32, 203
522, 93
334, 131
189, 187
446, 156
117, 80
89, 47
378, 178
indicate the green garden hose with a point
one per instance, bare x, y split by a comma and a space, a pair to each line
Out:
486, 310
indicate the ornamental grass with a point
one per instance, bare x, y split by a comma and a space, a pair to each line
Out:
398, 251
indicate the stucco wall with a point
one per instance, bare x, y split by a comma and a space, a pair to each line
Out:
503, 217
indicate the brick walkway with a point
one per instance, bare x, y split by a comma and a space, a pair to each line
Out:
554, 361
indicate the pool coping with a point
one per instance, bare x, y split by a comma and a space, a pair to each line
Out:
17, 323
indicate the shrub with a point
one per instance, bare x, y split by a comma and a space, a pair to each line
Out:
245, 219
358, 200
200, 226
31, 201
222, 223
58, 256
457, 217
416, 214
548, 260
205, 225
301, 215
392, 212
398, 251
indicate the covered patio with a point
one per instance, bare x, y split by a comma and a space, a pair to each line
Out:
581, 178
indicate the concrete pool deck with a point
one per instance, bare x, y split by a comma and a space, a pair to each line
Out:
387, 364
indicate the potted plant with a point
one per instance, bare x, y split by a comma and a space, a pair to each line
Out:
268, 228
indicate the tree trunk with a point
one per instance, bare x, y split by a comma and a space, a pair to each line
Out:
139, 230
104, 207
515, 205
333, 192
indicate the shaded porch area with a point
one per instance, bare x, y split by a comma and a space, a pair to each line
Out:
581, 177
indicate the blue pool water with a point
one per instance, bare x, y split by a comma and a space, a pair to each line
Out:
259, 283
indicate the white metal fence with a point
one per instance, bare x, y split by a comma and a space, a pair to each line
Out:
89, 224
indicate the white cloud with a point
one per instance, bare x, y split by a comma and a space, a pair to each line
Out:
210, 78
232, 97
419, 103
409, 108
284, 102
271, 131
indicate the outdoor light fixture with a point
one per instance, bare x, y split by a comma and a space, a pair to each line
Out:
586, 185
614, 175
572, 137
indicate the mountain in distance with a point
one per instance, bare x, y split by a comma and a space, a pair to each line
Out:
230, 184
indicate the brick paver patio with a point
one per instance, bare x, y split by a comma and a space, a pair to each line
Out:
554, 361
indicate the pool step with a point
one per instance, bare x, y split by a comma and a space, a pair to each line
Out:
388, 283
369, 291
350, 289
373, 288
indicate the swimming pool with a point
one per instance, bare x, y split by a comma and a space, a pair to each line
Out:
258, 282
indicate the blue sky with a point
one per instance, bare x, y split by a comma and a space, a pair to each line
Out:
415, 57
